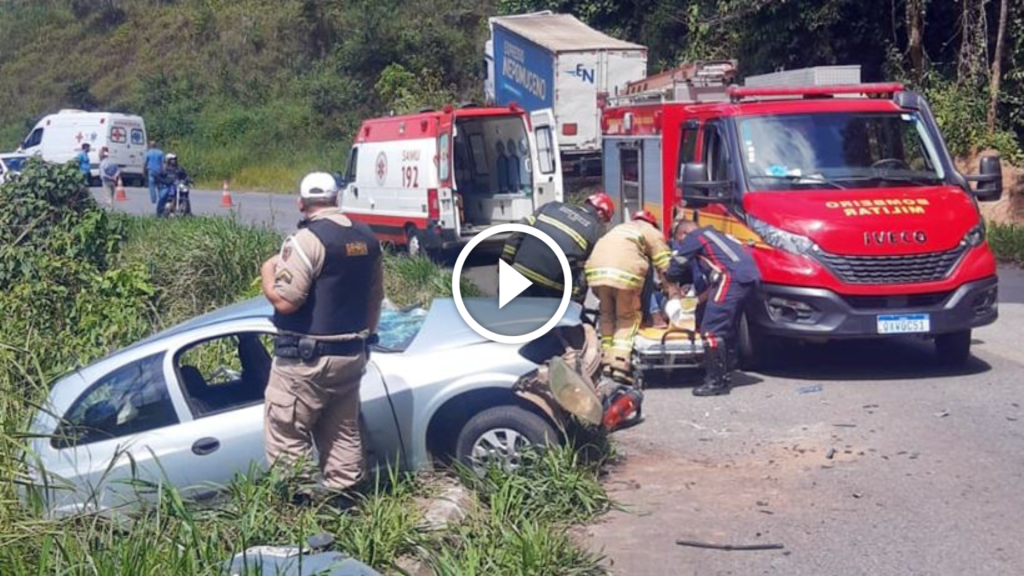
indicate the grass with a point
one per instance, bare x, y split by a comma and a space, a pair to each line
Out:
1007, 242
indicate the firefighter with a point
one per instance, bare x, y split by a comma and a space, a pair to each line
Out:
616, 272
575, 229
725, 274
326, 286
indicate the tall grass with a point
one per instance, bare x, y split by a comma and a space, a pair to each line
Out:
1006, 241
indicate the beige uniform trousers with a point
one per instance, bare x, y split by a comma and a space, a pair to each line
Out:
620, 319
316, 403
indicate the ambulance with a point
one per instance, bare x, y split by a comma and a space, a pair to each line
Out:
59, 137
432, 180
845, 192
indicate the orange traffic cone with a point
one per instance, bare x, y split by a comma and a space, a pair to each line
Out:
225, 197
119, 193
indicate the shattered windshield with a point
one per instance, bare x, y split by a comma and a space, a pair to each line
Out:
837, 150
398, 326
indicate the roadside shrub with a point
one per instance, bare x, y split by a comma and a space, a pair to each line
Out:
1006, 241
961, 111
418, 280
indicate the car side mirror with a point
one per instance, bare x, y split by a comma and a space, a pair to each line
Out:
697, 190
989, 186
339, 180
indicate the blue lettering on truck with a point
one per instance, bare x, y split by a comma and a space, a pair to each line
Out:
524, 72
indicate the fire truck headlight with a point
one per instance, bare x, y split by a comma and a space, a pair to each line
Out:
974, 236
793, 243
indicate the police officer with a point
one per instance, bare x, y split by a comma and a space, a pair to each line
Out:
616, 271
326, 286
575, 229
725, 274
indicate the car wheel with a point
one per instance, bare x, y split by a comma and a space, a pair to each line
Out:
501, 436
756, 351
954, 348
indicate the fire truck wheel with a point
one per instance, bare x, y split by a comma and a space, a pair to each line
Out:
755, 350
500, 436
954, 348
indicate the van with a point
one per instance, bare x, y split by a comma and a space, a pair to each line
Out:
432, 180
59, 137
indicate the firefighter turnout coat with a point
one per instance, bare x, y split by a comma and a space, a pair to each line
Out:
623, 256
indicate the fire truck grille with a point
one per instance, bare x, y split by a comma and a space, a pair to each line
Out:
908, 269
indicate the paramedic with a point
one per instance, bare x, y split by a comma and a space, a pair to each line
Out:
725, 275
326, 286
575, 229
154, 164
84, 165
616, 272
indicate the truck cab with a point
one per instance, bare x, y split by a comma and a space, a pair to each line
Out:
430, 181
850, 203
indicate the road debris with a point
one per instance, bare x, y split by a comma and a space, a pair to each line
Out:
844, 425
857, 495
728, 547
942, 414
812, 389
831, 453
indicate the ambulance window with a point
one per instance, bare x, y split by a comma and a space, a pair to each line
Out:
353, 166
444, 161
545, 150
34, 139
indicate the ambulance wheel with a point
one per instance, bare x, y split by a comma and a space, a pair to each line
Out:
954, 349
756, 351
501, 436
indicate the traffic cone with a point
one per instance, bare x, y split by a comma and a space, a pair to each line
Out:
119, 192
225, 197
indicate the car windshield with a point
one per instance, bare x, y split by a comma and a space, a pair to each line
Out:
14, 163
398, 327
837, 151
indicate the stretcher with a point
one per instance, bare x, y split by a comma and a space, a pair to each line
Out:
665, 349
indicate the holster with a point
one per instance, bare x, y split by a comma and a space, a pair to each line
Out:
309, 349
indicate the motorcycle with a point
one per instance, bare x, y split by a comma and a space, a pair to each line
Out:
179, 204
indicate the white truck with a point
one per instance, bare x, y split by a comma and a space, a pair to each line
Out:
544, 60
59, 137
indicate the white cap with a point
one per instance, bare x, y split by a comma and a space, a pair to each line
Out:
318, 185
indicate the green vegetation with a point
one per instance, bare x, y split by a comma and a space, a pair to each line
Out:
1007, 241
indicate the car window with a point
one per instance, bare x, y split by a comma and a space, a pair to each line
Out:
715, 154
225, 373
127, 401
34, 139
353, 166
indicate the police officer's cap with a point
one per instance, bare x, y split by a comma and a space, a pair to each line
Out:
318, 185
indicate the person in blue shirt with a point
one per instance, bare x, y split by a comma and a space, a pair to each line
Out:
166, 179
84, 164
154, 164
725, 275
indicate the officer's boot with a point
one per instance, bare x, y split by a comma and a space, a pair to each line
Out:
716, 372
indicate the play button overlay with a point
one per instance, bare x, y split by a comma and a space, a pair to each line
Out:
511, 318
510, 283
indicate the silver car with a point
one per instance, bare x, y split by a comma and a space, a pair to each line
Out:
11, 164
185, 406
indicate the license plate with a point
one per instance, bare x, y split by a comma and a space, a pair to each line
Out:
903, 323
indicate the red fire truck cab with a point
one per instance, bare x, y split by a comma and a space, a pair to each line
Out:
846, 195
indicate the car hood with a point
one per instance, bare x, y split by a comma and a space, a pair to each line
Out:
863, 222
444, 327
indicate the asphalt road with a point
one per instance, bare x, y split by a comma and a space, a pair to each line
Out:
927, 475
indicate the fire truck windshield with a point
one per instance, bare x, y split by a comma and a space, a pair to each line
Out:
837, 150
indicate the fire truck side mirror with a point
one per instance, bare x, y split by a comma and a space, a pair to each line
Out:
989, 179
697, 190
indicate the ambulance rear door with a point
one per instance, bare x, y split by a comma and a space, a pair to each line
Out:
448, 202
545, 161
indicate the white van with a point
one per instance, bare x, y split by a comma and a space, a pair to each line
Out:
433, 180
59, 137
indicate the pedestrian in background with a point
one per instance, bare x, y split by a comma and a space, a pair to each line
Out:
84, 164
110, 174
326, 286
154, 164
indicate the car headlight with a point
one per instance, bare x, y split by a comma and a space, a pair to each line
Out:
974, 236
781, 239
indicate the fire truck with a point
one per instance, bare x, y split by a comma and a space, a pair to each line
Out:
845, 193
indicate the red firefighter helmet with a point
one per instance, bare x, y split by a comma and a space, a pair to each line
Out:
646, 216
602, 202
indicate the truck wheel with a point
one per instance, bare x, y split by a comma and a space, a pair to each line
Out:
755, 350
501, 436
954, 348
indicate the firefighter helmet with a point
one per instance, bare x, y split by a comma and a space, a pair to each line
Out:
646, 216
602, 202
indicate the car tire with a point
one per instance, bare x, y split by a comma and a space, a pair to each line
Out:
755, 350
954, 348
508, 429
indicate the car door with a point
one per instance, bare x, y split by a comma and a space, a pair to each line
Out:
546, 162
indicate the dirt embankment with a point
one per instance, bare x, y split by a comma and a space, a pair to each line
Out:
1010, 208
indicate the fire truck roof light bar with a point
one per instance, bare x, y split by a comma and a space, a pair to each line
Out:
740, 92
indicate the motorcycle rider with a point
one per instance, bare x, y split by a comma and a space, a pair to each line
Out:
167, 179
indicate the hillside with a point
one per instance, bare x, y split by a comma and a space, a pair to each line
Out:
260, 91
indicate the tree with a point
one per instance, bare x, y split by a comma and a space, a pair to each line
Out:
915, 37
997, 59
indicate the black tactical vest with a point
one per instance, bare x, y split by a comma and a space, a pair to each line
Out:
339, 299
